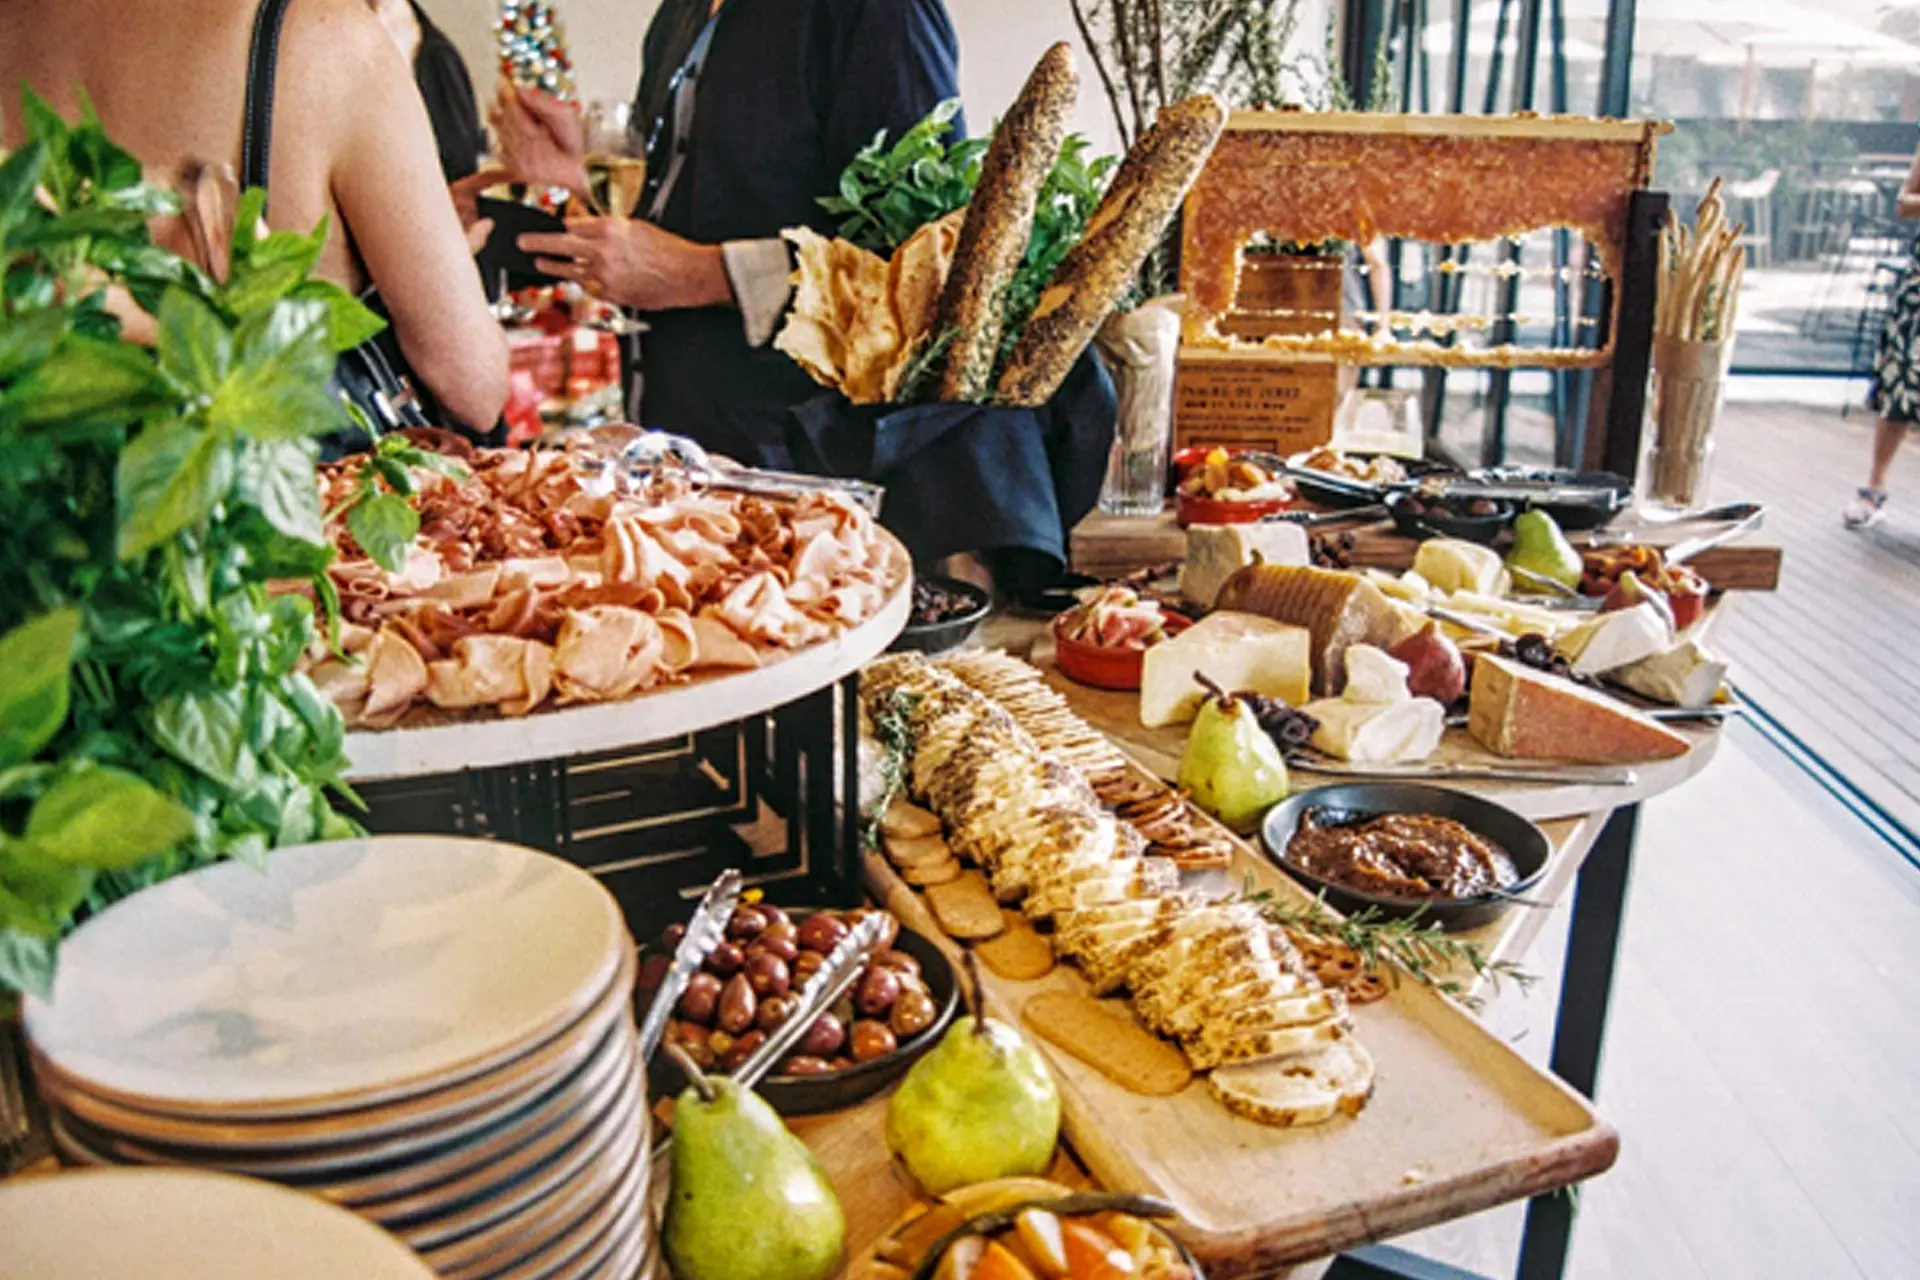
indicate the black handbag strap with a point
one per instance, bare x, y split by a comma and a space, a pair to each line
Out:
263, 59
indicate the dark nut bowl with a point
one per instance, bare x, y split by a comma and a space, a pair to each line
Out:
967, 607
1524, 842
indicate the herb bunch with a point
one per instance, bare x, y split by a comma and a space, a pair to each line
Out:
889, 192
151, 717
893, 731
1424, 951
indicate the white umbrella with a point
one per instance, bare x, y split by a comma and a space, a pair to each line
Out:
1817, 43
1439, 39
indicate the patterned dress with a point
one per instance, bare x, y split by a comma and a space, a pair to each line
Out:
1896, 365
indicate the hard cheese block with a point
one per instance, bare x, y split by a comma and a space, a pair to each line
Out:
1234, 650
1340, 609
1525, 714
1215, 552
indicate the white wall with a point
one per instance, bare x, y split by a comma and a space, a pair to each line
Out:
999, 42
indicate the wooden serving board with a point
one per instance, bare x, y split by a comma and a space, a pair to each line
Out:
1459, 1122
1111, 546
1159, 750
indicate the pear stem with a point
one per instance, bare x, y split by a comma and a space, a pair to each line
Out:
975, 998
695, 1076
1207, 682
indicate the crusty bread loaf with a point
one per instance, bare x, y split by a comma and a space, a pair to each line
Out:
1524, 714
1132, 217
993, 240
1340, 609
1309, 1089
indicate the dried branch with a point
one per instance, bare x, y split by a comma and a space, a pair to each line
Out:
1156, 11
1100, 66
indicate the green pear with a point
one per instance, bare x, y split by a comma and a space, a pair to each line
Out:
1231, 767
1539, 548
748, 1200
980, 1105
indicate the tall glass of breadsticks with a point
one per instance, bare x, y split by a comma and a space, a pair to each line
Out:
1700, 272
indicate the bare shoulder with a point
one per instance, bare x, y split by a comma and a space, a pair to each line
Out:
339, 47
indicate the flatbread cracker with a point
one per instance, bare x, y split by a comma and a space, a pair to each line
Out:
966, 908
1019, 954
916, 852
906, 820
1105, 1037
927, 874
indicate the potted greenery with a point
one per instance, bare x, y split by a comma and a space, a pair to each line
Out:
157, 501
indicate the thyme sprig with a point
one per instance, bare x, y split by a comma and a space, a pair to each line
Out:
1424, 951
893, 731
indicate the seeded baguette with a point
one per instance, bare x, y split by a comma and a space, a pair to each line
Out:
1133, 215
999, 221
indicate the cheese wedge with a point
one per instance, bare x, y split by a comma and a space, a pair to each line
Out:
1339, 609
1524, 714
1453, 564
1684, 676
1234, 650
1614, 640
1375, 720
1215, 552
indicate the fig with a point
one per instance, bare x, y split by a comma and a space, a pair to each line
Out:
747, 923
877, 992
1435, 668
701, 999
821, 932
726, 959
773, 1011
913, 1013
824, 1038
872, 1040
805, 1064
737, 1005
767, 974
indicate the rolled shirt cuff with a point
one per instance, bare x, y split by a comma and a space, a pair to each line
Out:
759, 271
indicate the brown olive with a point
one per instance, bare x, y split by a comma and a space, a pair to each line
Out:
767, 974
701, 998
824, 1038
841, 1062
891, 931
670, 939
899, 961
913, 1013
692, 1037
782, 944
804, 1064
726, 959
747, 923
805, 965
653, 971
742, 1049
737, 1005
877, 992
821, 932
776, 917
872, 1040
773, 1011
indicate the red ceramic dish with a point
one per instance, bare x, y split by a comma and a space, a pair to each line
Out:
1100, 666
1195, 509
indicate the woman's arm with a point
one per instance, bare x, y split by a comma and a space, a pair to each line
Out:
387, 184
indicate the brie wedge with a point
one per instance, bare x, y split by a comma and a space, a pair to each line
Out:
1375, 720
1614, 640
1683, 676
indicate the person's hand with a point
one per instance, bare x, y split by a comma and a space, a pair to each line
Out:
466, 194
633, 264
542, 138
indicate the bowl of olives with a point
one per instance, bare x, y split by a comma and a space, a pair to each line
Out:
895, 1011
1421, 515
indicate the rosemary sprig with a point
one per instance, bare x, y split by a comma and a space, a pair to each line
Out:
893, 731
1426, 952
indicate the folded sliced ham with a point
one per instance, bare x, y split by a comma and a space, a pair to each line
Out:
506, 672
606, 652
396, 675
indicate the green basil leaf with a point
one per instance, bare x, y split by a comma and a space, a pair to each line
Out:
38, 894
289, 631
104, 818
276, 478
398, 478
26, 963
86, 378
19, 175
195, 344
246, 225
169, 478
23, 780
278, 390
27, 340
384, 526
207, 732
326, 728
44, 123
350, 322
272, 268
36, 658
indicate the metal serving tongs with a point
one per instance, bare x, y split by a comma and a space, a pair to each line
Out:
1743, 517
704, 932
828, 984
634, 459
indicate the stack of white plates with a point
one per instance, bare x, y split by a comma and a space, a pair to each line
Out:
437, 1034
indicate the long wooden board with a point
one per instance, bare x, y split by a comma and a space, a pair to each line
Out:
1110, 546
1459, 1122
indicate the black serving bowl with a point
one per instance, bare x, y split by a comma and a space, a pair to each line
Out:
1329, 489
1451, 520
1524, 842
1574, 517
809, 1095
948, 633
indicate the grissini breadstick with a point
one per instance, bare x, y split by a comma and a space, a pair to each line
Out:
1142, 199
999, 220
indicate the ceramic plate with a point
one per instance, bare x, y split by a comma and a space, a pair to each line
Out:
619, 1217
180, 1224
346, 974
427, 1119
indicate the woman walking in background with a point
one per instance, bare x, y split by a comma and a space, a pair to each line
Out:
1895, 397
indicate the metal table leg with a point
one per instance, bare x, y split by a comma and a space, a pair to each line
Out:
1579, 1032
